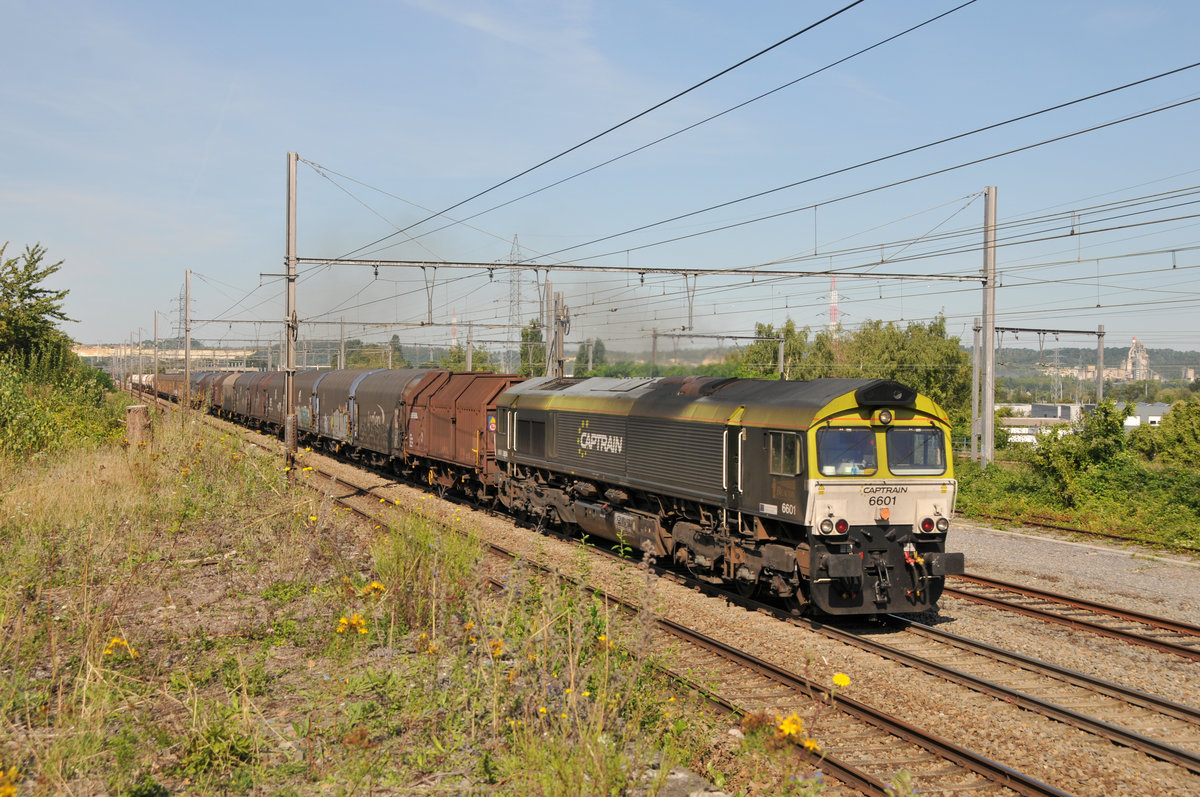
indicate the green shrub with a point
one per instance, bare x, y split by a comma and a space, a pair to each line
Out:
49, 399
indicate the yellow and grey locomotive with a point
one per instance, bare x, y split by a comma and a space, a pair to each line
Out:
831, 493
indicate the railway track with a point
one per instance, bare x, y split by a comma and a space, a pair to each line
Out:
1153, 725
1162, 634
1166, 731
862, 746
1160, 728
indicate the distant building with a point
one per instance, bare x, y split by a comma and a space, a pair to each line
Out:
1135, 368
1032, 421
1145, 414
1137, 363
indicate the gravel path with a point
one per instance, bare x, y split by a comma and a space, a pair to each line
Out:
1130, 576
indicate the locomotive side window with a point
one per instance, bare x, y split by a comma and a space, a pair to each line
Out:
915, 450
785, 453
531, 437
846, 451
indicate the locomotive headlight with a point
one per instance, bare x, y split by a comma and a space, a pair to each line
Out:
883, 417
943, 525
826, 526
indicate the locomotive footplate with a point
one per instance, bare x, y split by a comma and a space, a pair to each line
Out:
866, 572
945, 564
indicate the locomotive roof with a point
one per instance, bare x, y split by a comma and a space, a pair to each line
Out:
714, 400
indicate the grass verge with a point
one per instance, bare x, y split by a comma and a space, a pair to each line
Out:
180, 617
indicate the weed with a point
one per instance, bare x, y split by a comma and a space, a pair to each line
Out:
287, 591
218, 743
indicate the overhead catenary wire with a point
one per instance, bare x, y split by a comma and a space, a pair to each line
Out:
1122, 203
699, 123
619, 125
1061, 215
1037, 236
883, 158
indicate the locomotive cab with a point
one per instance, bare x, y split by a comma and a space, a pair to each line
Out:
880, 495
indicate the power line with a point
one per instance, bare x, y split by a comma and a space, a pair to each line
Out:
694, 125
881, 159
617, 126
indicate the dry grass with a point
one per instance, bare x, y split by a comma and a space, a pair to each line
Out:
181, 618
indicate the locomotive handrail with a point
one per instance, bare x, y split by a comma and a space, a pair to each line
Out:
741, 439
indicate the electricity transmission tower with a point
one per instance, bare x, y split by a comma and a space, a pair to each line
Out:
514, 310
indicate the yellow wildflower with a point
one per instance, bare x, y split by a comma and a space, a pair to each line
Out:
792, 726
374, 588
497, 647
812, 746
542, 711
117, 642
9, 778
841, 679
470, 624
354, 621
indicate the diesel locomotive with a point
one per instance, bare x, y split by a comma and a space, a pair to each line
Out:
833, 495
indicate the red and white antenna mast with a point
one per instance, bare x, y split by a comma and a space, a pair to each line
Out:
833, 304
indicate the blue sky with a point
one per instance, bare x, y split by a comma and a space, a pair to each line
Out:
143, 139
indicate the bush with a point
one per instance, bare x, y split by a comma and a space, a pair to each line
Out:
49, 398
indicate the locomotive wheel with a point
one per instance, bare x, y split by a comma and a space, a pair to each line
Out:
795, 604
746, 589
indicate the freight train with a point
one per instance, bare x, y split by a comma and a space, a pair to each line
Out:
831, 495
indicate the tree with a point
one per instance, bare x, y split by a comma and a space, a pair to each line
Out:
761, 358
1176, 440
533, 350
598, 358
28, 311
919, 355
455, 359
1066, 460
